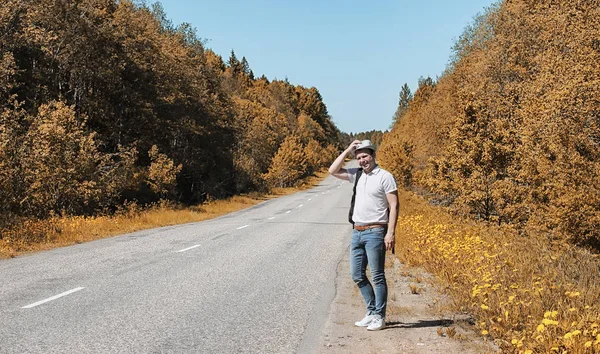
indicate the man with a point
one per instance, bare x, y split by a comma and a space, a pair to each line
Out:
374, 218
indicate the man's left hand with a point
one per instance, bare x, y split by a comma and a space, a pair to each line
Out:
389, 241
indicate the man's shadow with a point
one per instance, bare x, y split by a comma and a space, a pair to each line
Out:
420, 324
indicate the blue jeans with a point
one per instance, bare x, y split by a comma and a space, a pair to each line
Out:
368, 248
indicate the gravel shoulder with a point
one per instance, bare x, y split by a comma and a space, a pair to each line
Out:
419, 320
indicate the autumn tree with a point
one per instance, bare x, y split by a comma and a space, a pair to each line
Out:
260, 131
12, 187
376, 137
86, 85
288, 165
309, 130
509, 132
162, 173
62, 169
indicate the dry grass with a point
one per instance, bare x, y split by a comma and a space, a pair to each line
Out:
37, 235
527, 293
415, 290
396, 311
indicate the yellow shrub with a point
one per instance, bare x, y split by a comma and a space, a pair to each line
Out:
526, 292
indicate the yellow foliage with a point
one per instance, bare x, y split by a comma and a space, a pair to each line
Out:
261, 131
524, 292
288, 165
509, 134
162, 172
78, 100
63, 171
309, 130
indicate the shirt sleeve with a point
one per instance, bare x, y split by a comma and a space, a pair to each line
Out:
351, 174
389, 183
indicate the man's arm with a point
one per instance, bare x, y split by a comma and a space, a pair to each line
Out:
336, 169
390, 237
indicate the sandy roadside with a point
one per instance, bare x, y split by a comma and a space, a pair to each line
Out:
417, 323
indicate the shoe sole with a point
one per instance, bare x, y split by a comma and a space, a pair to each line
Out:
359, 325
376, 329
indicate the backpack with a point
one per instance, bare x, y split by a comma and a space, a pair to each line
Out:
351, 212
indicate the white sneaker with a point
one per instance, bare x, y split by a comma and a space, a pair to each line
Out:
365, 321
376, 324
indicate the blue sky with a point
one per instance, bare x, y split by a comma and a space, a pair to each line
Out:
357, 53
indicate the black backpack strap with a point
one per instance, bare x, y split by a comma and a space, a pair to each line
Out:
351, 212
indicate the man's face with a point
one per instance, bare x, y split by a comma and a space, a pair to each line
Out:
365, 160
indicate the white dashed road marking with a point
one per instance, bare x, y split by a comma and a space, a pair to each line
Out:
242, 227
271, 218
52, 298
289, 211
187, 249
300, 206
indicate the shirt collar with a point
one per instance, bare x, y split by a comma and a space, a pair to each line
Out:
375, 170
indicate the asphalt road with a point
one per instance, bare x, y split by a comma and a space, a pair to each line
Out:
256, 281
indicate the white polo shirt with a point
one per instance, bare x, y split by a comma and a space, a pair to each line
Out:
371, 204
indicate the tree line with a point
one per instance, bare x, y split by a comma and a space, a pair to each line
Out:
376, 137
103, 101
510, 132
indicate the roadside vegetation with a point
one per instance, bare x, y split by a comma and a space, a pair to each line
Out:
59, 231
524, 293
113, 120
500, 159
107, 108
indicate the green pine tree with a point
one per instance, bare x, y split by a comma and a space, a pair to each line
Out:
405, 97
